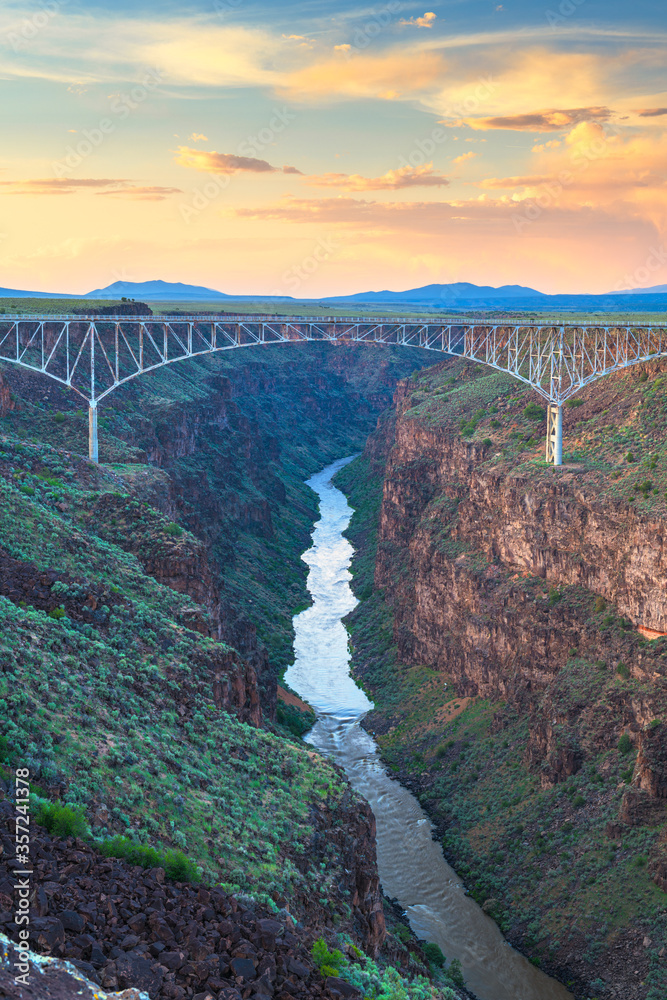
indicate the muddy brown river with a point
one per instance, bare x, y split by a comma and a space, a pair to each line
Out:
412, 866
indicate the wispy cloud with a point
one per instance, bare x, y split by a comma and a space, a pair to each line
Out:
393, 180
397, 74
152, 192
652, 112
119, 187
227, 163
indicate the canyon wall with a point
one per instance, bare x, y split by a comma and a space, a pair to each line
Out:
513, 643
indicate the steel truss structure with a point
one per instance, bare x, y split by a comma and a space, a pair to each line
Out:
96, 354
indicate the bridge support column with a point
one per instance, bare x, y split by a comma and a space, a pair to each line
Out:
93, 450
555, 434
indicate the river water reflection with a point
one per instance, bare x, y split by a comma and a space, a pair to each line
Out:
411, 864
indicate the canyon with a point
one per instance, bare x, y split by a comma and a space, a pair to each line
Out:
509, 633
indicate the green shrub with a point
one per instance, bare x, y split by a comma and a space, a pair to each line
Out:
332, 961
629, 457
572, 404
434, 954
59, 418
578, 801
534, 412
455, 972
625, 744
173, 530
176, 865
57, 614
600, 605
554, 596
495, 424
487, 442
179, 868
4, 749
623, 671
60, 820
296, 721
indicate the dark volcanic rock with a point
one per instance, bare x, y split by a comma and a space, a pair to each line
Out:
184, 941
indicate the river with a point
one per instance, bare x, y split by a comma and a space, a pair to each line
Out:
411, 864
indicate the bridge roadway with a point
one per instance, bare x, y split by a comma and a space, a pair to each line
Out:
93, 355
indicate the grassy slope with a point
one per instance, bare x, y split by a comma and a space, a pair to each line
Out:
560, 885
93, 705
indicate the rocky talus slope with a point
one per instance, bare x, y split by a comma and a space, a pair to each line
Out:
125, 927
539, 596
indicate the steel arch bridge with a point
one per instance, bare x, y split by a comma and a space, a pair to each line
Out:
94, 355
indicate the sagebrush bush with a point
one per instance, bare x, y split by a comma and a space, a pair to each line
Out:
176, 865
60, 820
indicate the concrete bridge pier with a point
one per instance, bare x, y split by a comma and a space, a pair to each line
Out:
555, 434
93, 449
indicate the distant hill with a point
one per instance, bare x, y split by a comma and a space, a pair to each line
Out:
460, 291
15, 293
654, 290
156, 291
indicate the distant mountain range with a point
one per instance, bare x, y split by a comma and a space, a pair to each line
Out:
460, 295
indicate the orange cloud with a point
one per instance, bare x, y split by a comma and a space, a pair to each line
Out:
365, 76
551, 120
427, 21
393, 180
651, 112
226, 163
464, 157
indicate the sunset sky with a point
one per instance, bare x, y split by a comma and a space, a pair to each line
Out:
320, 148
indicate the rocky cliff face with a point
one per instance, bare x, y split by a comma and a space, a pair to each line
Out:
474, 555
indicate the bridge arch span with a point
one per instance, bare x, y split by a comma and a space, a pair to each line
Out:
94, 355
